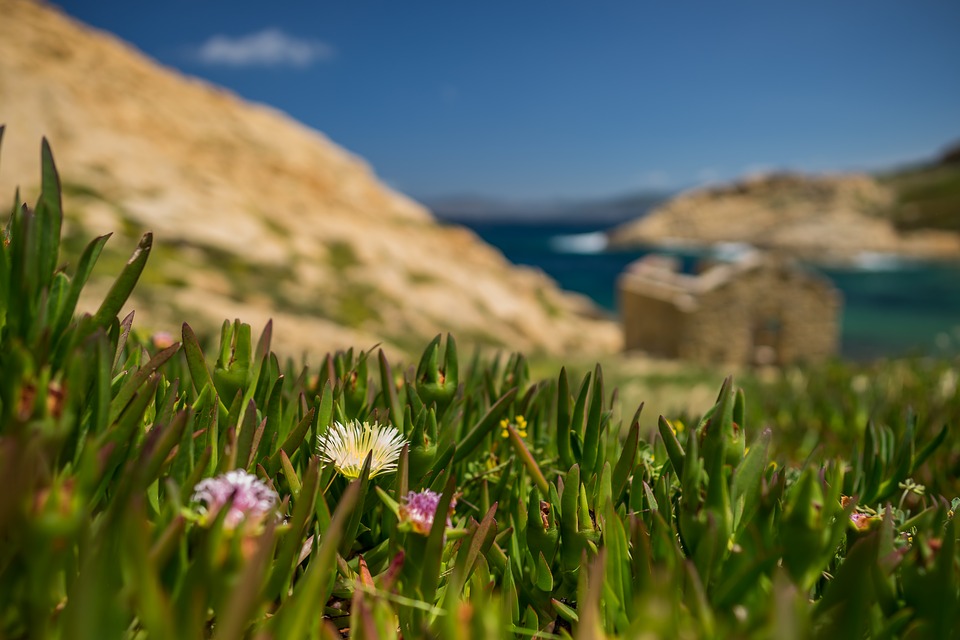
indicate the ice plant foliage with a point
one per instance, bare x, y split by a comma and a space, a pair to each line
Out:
418, 508
347, 446
253, 500
596, 531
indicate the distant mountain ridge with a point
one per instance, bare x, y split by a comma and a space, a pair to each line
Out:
255, 216
476, 208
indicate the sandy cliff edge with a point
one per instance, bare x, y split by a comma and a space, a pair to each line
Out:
254, 214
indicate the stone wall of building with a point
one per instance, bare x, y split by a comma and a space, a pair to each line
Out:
655, 326
771, 315
765, 313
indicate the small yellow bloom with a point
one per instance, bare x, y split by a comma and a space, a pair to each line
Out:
519, 423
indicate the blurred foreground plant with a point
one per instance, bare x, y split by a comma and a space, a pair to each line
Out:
480, 505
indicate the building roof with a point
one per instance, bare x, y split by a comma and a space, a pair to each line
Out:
657, 276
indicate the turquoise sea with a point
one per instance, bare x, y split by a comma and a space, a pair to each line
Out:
892, 307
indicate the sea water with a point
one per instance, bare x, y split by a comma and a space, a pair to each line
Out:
892, 307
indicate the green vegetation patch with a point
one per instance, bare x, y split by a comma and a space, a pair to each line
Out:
157, 490
77, 190
551, 309
421, 277
357, 305
341, 255
927, 197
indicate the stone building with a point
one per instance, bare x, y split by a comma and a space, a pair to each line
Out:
760, 309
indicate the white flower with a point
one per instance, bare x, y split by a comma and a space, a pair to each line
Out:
347, 446
252, 502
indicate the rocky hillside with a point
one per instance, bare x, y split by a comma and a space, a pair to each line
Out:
254, 215
829, 218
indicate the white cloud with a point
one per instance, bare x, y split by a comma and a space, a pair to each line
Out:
268, 48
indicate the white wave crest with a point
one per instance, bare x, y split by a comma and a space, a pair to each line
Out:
593, 242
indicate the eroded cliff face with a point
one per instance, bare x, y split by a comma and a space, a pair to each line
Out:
830, 218
254, 215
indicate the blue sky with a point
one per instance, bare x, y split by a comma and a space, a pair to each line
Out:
542, 99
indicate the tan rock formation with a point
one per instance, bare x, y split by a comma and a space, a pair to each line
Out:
832, 218
254, 215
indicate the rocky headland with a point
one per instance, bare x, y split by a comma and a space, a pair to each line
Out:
823, 218
255, 216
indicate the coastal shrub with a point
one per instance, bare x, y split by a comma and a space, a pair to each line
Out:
151, 489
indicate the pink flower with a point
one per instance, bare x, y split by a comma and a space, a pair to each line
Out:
417, 509
861, 520
252, 502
